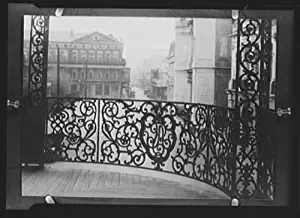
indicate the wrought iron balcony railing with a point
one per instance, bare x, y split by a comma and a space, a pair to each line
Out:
193, 140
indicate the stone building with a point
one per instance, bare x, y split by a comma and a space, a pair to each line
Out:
90, 64
171, 65
202, 60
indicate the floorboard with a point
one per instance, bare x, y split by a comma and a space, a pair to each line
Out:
90, 183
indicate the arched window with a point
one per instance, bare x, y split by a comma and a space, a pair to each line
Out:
107, 55
75, 55
96, 37
83, 55
99, 55
91, 55
116, 54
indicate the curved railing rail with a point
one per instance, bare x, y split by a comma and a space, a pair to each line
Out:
192, 140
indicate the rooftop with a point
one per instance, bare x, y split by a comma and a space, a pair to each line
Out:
69, 36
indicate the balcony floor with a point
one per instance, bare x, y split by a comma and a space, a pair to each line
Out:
60, 181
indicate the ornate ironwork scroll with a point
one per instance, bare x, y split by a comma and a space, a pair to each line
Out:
38, 53
192, 140
75, 121
266, 123
252, 97
121, 143
205, 146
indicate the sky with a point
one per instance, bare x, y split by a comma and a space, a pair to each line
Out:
142, 36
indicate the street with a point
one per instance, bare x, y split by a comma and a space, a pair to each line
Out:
139, 93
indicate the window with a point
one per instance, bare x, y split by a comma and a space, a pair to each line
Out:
116, 54
65, 54
91, 75
74, 75
55, 52
82, 75
99, 55
98, 89
91, 55
83, 55
89, 89
106, 89
107, 55
96, 37
99, 75
74, 88
75, 55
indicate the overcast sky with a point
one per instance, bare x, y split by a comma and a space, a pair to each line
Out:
142, 37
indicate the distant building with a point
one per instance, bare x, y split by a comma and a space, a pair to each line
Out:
90, 60
150, 67
202, 60
159, 84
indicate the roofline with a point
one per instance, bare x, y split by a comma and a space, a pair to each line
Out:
116, 41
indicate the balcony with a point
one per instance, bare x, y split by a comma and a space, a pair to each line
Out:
184, 145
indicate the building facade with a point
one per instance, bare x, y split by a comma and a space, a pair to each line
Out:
171, 67
153, 77
91, 65
202, 66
